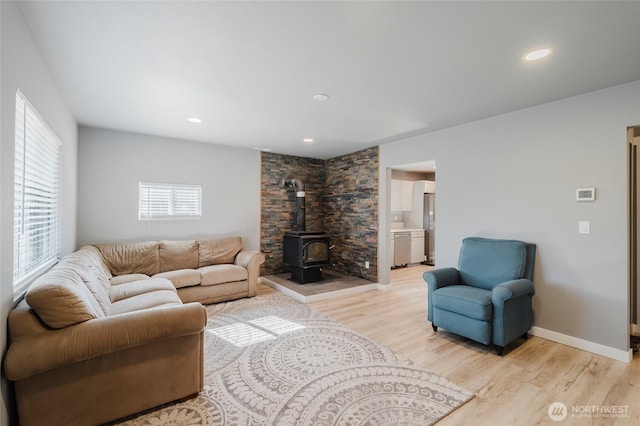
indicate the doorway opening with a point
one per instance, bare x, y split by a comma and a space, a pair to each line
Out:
411, 219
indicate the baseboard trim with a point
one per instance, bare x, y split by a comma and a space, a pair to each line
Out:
635, 329
585, 345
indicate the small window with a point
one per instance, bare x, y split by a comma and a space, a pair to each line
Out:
36, 195
167, 201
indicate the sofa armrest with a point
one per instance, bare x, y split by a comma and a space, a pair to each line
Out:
251, 260
511, 290
35, 353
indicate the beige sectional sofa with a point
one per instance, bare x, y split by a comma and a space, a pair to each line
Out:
105, 333
206, 270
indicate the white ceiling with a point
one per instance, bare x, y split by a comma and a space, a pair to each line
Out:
249, 70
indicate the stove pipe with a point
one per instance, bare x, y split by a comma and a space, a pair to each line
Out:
300, 210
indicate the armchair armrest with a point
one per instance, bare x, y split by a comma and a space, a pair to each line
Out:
438, 278
442, 277
35, 353
251, 260
511, 290
512, 311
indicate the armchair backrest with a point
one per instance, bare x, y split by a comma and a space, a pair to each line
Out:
531, 261
486, 262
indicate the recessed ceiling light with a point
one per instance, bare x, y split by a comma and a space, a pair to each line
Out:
307, 140
320, 97
537, 54
194, 120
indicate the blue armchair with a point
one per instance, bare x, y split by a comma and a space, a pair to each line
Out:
488, 298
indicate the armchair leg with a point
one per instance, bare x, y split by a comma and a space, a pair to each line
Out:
435, 327
499, 350
525, 336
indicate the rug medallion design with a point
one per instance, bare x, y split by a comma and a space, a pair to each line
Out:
271, 360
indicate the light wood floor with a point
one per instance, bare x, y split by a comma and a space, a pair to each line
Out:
515, 389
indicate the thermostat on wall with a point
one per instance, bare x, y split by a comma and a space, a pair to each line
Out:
585, 194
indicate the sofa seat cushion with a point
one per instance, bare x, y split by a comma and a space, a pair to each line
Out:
218, 274
135, 288
147, 300
181, 277
127, 278
470, 301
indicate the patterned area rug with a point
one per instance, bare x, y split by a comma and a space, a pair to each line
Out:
271, 360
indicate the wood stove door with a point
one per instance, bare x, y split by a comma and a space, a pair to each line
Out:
315, 251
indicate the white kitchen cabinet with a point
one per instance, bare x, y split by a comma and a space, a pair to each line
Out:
417, 246
429, 187
401, 195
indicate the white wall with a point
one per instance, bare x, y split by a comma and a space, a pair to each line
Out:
515, 176
111, 163
22, 66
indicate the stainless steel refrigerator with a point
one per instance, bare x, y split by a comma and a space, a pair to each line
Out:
429, 224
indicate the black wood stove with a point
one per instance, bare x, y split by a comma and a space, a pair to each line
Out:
306, 252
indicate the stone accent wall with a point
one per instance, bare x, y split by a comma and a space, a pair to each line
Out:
278, 204
341, 200
351, 219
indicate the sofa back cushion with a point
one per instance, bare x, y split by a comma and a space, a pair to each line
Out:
219, 250
89, 264
89, 255
176, 255
60, 298
132, 258
486, 262
98, 287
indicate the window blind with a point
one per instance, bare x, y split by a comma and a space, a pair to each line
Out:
161, 201
36, 224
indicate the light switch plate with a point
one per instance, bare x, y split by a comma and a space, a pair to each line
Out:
584, 227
